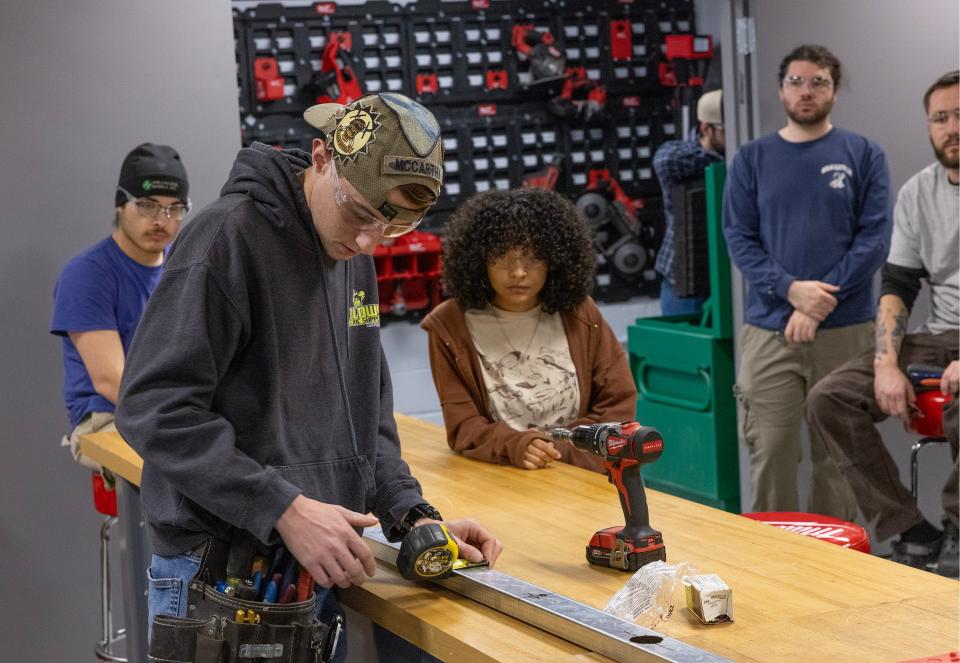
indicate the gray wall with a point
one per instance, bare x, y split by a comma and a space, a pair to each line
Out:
83, 83
891, 52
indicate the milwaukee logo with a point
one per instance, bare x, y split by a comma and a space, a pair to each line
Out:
650, 447
815, 531
393, 165
615, 443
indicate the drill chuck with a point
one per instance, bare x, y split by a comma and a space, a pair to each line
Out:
592, 439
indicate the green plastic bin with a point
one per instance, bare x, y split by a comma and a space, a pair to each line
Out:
684, 371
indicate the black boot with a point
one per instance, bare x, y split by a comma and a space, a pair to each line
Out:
918, 546
949, 559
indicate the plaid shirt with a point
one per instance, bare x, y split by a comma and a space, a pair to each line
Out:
675, 162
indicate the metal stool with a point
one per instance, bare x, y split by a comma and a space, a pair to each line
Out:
105, 501
929, 423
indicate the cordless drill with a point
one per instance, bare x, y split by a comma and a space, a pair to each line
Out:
624, 448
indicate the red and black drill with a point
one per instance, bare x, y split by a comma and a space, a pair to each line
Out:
624, 448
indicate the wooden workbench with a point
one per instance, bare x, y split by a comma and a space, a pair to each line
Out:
795, 598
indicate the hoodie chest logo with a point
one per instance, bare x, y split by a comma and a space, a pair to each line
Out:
362, 314
354, 131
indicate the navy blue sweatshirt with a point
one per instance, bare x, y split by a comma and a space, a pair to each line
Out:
818, 210
257, 374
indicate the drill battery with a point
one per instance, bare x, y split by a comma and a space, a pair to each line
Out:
609, 548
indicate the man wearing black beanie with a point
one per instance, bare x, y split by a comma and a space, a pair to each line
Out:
102, 292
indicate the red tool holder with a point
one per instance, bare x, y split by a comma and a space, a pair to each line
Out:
680, 51
497, 79
408, 273
688, 47
269, 83
621, 40
336, 70
427, 84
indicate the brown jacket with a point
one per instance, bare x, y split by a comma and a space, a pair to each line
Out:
607, 391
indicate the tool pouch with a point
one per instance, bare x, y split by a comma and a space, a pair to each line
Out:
286, 633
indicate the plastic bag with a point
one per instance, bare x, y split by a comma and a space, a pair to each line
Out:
651, 595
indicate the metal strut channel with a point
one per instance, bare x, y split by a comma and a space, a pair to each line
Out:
556, 614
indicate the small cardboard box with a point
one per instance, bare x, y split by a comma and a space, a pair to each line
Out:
709, 598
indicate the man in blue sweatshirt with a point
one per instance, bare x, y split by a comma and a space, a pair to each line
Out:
271, 412
807, 221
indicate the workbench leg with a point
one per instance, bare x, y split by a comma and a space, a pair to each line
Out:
133, 567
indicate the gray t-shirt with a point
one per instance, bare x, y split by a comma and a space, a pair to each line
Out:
926, 234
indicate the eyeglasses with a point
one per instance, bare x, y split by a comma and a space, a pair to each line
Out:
151, 208
942, 117
509, 261
363, 219
817, 83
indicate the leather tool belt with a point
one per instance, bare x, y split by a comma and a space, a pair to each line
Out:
212, 633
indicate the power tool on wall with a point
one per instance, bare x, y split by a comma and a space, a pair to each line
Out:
547, 62
626, 246
336, 80
624, 448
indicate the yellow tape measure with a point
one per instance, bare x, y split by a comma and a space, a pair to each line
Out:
428, 552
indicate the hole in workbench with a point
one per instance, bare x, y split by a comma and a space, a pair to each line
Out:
646, 639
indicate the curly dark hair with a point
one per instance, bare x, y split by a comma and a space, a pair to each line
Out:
490, 224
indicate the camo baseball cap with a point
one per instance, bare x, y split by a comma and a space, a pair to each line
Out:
382, 141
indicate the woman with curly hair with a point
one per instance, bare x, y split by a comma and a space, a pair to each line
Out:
521, 347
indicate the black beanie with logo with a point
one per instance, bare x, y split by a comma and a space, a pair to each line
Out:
153, 170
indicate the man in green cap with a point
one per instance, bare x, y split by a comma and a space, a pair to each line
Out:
256, 389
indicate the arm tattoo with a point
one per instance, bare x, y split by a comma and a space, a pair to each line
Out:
881, 338
891, 321
899, 331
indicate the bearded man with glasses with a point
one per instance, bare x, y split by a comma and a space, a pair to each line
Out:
102, 292
270, 415
807, 221
845, 406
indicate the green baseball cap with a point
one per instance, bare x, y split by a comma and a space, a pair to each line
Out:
380, 142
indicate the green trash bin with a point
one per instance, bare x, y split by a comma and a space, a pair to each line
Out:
684, 371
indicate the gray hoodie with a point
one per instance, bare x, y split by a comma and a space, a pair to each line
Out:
256, 373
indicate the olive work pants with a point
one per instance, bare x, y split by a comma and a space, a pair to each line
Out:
843, 410
772, 386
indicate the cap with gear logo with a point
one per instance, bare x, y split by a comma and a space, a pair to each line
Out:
382, 141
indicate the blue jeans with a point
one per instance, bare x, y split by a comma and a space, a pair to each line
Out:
168, 578
671, 304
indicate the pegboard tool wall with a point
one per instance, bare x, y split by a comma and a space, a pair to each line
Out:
460, 60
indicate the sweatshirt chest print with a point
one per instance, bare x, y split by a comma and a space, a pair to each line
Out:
362, 314
838, 174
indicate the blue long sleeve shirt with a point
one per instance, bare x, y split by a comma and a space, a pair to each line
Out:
818, 210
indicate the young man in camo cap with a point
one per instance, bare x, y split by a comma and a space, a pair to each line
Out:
272, 412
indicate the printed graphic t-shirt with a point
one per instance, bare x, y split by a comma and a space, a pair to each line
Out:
527, 368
